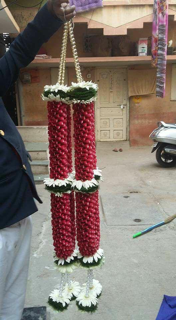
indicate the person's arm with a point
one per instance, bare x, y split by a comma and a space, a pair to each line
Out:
24, 48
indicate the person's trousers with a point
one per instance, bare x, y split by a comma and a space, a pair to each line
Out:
14, 264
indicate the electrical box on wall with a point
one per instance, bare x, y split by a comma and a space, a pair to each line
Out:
30, 76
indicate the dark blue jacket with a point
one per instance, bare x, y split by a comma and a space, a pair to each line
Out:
17, 187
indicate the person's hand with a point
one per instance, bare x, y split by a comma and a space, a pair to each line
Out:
62, 9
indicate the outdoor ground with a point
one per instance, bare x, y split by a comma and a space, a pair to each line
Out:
137, 272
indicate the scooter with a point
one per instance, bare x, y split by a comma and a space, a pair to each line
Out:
165, 144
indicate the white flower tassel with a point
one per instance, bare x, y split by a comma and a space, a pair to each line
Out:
59, 299
94, 285
72, 288
87, 299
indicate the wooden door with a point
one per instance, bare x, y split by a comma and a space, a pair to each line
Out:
111, 104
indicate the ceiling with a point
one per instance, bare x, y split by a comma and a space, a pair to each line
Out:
7, 21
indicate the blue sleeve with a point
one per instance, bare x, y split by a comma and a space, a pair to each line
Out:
24, 48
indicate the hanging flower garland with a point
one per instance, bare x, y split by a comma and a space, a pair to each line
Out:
69, 189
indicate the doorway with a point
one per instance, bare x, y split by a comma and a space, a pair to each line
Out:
111, 104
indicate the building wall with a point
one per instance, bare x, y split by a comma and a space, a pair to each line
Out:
34, 109
145, 115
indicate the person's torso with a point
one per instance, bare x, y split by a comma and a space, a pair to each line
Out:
17, 187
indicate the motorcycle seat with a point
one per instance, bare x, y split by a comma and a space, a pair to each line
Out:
167, 125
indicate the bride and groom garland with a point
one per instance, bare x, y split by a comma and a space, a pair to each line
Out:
74, 194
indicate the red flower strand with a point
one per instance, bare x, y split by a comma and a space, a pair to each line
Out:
63, 226
84, 136
88, 223
87, 205
63, 220
58, 135
69, 140
70, 168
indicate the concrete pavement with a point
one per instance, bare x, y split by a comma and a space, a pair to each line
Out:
137, 272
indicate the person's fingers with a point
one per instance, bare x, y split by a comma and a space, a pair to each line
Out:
70, 16
66, 8
69, 10
64, 5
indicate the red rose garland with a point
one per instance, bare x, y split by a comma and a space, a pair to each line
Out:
87, 205
62, 183
63, 221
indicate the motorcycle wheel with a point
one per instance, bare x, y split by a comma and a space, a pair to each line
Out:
164, 159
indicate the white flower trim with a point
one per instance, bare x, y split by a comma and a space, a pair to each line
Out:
52, 97
55, 296
75, 183
98, 172
56, 87
96, 289
98, 255
73, 290
68, 260
84, 101
58, 182
84, 84
60, 194
85, 184
87, 301
67, 269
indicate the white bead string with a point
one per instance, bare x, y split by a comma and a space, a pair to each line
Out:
62, 281
61, 75
69, 281
75, 53
91, 279
88, 283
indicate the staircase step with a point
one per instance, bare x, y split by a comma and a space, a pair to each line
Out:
38, 178
36, 146
40, 163
40, 155
34, 133
40, 166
